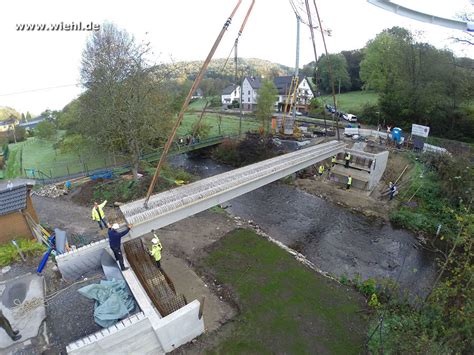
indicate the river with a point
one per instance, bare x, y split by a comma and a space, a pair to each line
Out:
335, 239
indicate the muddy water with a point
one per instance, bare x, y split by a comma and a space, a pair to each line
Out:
333, 238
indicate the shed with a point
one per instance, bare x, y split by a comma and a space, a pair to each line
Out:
15, 202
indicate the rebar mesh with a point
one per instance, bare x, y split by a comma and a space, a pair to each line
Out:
156, 283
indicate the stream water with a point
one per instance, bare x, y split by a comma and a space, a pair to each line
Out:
335, 239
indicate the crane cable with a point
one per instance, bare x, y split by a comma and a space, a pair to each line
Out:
195, 85
331, 76
234, 47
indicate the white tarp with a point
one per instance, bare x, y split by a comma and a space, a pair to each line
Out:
419, 130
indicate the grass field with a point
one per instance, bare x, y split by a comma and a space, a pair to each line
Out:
352, 102
229, 124
40, 155
285, 307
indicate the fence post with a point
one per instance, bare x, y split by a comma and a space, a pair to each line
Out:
67, 167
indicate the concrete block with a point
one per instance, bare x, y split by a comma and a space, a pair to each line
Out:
137, 337
179, 327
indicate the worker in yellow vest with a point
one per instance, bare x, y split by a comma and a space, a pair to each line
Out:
333, 161
321, 170
348, 159
349, 182
156, 249
98, 214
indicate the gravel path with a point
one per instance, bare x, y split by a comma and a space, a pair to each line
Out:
63, 214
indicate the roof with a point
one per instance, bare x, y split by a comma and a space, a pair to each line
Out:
229, 89
283, 83
12, 200
254, 82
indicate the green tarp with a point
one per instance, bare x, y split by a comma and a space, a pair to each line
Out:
113, 301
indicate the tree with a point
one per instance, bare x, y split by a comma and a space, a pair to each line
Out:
417, 83
28, 116
266, 103
353, 59
23, 118
339, 70
45, 130
126, 108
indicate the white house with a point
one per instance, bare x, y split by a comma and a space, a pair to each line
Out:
8, 124
250, 87
198, 94
230, 93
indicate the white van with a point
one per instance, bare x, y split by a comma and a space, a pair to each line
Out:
350, 117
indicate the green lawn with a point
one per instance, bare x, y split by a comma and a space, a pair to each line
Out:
352, 102
40, 155
285, 307
229, 124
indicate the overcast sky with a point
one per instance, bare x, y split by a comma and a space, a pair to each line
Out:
184, 30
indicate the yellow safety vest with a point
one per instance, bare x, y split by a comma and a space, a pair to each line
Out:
348, 157
156, 251
333, 160
98, 213
321, 169
349, 180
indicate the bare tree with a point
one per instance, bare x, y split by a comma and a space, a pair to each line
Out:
467, 37
126, 107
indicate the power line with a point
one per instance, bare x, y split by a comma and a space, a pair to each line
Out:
41, 89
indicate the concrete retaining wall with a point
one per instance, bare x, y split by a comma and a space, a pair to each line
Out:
141, 334
179, 327
134, 335
76, 263
377, 169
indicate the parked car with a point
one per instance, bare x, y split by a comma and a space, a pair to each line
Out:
350, 117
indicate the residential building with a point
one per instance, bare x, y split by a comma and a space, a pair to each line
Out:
304, 92
250, 87
230, 93
8, 124
198, 94
15, 204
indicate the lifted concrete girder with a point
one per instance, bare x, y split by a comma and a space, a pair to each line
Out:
171, 206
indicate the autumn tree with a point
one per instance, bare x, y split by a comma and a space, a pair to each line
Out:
267, 96
126, 107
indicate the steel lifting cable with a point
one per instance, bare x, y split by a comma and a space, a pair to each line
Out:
234, 47
331, 76
313, 40
195, 85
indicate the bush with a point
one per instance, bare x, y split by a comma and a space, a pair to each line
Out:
9, 253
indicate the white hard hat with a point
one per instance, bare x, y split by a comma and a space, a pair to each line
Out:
115, 226
155, 240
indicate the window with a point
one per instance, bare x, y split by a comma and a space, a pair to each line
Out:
248, 99
249, 92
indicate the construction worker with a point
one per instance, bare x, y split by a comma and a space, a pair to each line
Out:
115, 240
333, 161
156, 249
393, 190
348, 159
349, 182
321, 170
98, 214
5, 324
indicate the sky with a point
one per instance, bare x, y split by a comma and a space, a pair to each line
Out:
184, 30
